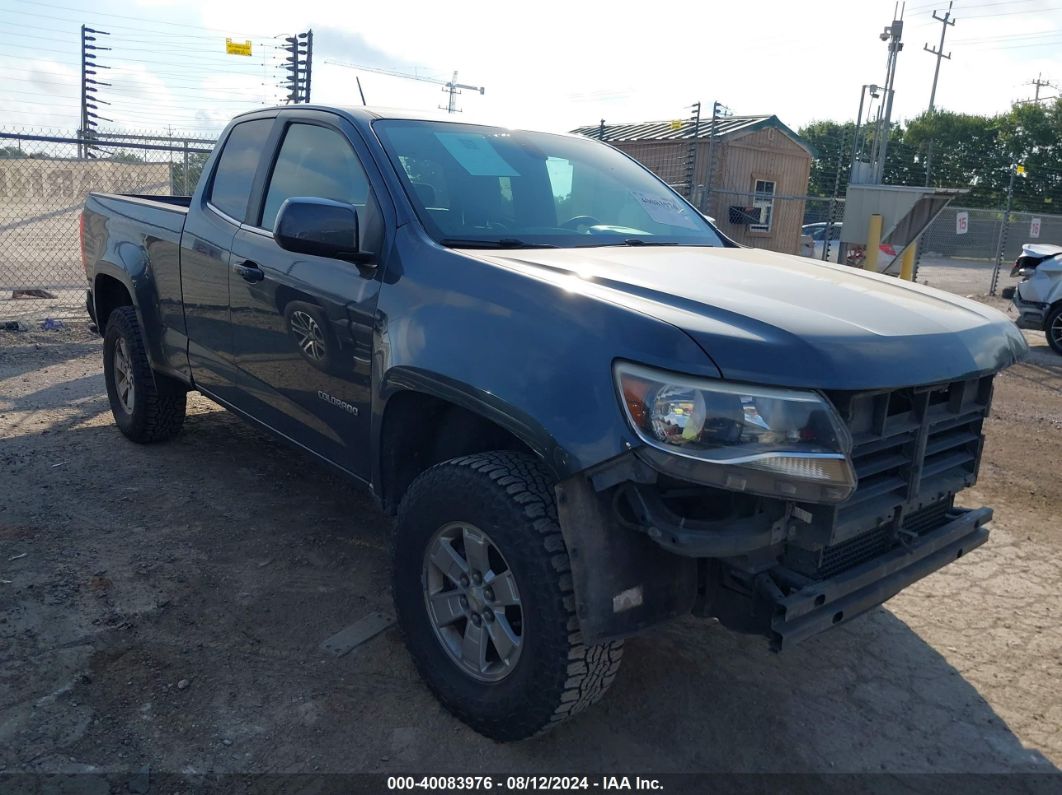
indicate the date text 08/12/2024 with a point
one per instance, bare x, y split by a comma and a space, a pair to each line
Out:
522, 783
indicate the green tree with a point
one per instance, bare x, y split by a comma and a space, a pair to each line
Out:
832, 142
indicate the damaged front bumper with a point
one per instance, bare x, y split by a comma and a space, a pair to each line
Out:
635, 563
796, 611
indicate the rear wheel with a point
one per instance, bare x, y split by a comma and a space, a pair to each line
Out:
1053, 329
147, 407
483, 591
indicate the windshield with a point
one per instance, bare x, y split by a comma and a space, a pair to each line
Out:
491, 187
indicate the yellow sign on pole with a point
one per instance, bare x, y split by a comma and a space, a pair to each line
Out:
676, 124
237, 47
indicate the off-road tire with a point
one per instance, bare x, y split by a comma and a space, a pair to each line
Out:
508, 496
1054, 317
160, 401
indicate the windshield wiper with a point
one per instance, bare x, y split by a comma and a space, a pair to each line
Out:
504, 242
637, 241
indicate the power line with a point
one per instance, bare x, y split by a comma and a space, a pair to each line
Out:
141, 20
924, 6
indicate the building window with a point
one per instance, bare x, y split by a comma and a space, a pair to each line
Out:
763, 199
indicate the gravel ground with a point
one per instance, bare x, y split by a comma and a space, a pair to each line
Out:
165, 606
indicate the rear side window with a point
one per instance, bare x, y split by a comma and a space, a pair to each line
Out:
237, 165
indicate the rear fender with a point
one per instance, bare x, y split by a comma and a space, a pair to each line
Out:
132, 272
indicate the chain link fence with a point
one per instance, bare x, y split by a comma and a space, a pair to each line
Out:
44, 178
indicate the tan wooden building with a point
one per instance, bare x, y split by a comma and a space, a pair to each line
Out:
759, 167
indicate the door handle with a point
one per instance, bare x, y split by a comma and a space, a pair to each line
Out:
249, 271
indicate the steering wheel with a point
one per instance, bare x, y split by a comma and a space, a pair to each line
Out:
580, 220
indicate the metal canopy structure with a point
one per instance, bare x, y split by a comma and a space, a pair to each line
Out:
905, 211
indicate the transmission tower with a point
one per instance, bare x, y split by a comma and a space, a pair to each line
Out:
89, 89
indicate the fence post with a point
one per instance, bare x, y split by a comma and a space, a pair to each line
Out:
1003, 232
828, 238
184, 177
691, 152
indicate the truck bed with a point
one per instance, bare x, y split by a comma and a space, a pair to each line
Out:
155, 212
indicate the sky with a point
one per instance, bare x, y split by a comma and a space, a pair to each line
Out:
545, 65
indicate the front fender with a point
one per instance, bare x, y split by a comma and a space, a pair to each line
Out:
467, 396
524, 352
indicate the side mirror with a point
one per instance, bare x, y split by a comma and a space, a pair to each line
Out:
321, 227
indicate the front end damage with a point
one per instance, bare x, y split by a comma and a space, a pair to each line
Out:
649, 542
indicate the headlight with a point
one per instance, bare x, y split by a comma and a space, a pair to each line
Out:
778, 442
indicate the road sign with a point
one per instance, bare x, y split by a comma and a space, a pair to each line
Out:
237, 47
962, 223
1034, 227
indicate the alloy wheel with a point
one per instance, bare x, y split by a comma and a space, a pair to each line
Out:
473, 602
123, 376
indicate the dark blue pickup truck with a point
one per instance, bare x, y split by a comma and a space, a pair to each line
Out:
589, 410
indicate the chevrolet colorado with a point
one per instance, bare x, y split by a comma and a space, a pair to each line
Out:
588, 409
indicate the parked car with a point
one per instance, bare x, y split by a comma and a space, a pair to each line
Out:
1032, 254
815, 237
589, 411
1038, 296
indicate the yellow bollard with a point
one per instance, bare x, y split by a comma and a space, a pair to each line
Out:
907, 262
873, 243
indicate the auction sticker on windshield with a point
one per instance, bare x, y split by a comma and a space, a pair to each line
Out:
476, 155
664, 210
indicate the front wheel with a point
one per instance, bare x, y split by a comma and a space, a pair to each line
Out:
1053, 329
483, 592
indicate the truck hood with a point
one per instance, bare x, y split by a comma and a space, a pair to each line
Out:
779, 319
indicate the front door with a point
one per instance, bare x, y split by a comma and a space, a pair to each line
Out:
303, 324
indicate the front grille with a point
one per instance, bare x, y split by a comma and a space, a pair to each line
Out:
913, 448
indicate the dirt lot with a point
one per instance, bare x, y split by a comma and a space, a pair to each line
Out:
165, 607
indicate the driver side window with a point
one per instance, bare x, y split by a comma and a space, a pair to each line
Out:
318, 162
